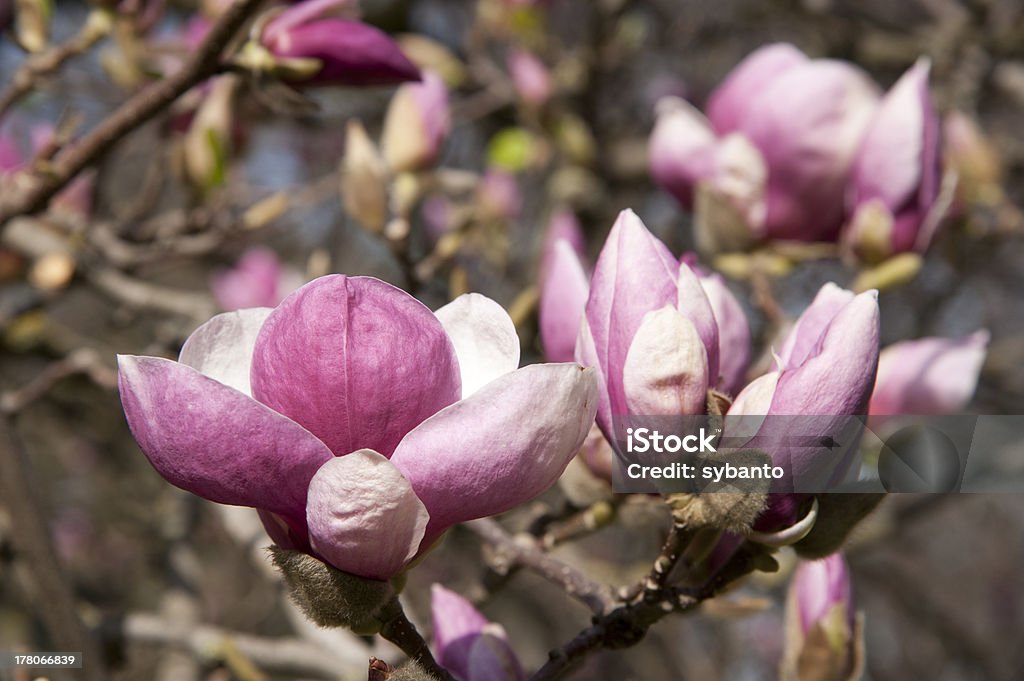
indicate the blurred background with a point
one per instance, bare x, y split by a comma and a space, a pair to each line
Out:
180, 589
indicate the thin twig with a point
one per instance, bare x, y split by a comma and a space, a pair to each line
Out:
79, 361
37, 66
286, 656
526, 553
403, 633
31, 538
129, 116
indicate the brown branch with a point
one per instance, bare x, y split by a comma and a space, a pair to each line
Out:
648, 602
399, 630
129, 116
30, 535
37, 66
525, 552
79, 361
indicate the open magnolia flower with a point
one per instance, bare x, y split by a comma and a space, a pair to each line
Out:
360, 424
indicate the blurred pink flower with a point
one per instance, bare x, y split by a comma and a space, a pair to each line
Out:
530, 76
436, 426
896, 177
467, 645
349, 52
930, 376
778, 142
258, 279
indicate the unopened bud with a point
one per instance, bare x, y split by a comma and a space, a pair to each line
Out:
364, 179
207, 144
417, 122
32, 24
823, 633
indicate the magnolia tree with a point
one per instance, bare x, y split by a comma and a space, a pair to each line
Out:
398, 288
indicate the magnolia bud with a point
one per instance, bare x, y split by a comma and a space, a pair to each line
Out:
364, 179
823, 633
416, 124
32, 24
328, 596
207, 144
306, 46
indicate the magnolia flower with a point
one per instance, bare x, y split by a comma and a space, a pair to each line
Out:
257, 280
416, 125
360, 424
776, 146
895, 181
651, 329
826, 372
530, 76
499, 196
822, 631
307, 47
467, 645
930, 376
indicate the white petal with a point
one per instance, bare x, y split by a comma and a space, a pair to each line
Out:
222, 347
363, 516
666, 370
484, 337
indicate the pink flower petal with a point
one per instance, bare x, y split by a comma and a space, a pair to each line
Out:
214, 441
811, 325
363, 516
666, 370
356, 361
484, 337
731, 100
222, 347
681, 151
505, 444
930, 376
563, 298
457, 624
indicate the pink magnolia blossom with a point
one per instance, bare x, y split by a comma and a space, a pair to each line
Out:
894, 188
564, 287
257, 280
821, 601
778, 142
467, 645
826, 370
359, 423
348, 52
530, 76
652, 330
417, 124
929, 376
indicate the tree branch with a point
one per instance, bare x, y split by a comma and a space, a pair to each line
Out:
290, 656
399, 630
37, 66
30, 534
595, 596
129, 116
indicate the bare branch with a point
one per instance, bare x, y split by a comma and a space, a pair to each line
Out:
523, 551
138, 110
290, 656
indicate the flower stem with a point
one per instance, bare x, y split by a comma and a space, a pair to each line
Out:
403, 633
